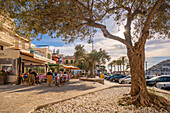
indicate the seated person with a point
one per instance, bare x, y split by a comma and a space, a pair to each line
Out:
49, 77
25, 75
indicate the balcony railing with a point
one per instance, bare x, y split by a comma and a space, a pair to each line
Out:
7, 37
22, 46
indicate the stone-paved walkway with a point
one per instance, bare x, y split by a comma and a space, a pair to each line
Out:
24, 98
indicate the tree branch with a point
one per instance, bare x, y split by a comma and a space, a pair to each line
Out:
136, 12
86, 8
79, 26
150, 17
145, 31
108, 35
81, 13
119, 7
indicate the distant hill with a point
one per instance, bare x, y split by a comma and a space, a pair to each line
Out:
160, 64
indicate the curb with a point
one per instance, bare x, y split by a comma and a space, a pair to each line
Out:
159, 90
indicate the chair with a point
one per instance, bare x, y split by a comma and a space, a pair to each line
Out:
49, 79
23, 79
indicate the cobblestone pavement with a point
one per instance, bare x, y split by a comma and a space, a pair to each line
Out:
23, 98
104, 101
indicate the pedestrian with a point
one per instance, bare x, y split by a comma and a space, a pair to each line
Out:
55, 73
49, 77
31, 77
36, 76
68, 76
60, 76
64, 77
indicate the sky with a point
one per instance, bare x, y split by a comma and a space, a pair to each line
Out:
156, 50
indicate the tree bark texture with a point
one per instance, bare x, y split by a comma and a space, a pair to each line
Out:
139, 93
91, 70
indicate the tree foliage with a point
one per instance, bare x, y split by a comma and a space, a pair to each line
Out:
71, 19
91, 58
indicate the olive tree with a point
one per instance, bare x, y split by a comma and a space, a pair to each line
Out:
72, 19
91, 58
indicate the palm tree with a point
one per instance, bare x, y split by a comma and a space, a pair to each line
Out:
110, 64
118, 64
114, 65
124, 60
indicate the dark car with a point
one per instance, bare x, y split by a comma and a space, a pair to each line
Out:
154, 80
116, 78
105, 76
108, 78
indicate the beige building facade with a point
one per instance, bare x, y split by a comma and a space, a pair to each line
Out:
16, 55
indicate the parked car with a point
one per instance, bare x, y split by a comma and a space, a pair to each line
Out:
128, 80
108, 78
154, 80
116, 78
122, 80
105, 76
163, 85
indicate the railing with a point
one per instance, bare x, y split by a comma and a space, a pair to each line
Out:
23, 46
6, 37
36, 53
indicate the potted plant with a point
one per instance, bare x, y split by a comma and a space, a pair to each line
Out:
3, 77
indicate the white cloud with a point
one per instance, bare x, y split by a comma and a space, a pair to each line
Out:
158, 48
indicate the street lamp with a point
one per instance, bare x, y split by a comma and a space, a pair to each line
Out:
146, 67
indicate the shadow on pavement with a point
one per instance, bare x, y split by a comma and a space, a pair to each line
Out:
44, 88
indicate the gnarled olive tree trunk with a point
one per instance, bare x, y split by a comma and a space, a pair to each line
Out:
139, 93
91, 66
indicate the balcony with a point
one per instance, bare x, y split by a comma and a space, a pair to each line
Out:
24, 47
6, 39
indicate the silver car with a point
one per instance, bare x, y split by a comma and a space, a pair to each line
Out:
128, 80
122, 80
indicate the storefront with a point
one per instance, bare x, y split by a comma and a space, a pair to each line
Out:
16, 62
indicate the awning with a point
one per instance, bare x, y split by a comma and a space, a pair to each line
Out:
38, 58
44, 59
71, 67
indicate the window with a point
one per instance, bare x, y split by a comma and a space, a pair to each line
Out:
66, 61
8, 65
168, 79
71, 61
1, 47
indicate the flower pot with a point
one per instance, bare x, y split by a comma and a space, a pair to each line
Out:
3, 79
